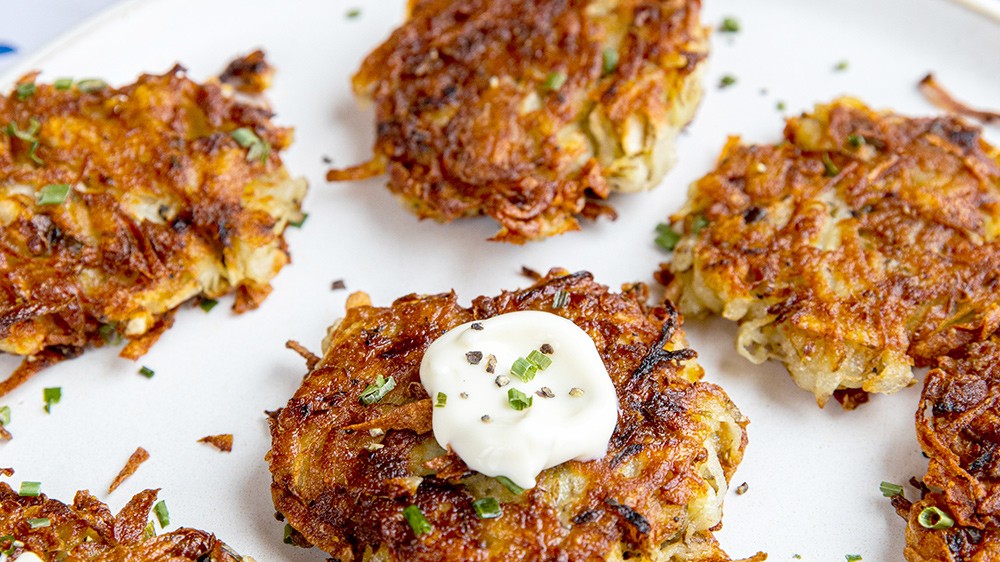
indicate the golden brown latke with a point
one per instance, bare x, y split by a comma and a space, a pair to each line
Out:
87, 532
530, 111
862, 245
958, 426
163, 205
657, 495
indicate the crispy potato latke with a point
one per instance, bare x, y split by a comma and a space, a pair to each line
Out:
530, 111
343, 472
119, 204
958, 426
87, 531
863, 244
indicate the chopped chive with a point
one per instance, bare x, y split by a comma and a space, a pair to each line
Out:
51, 396
299, 222
609, 60
14, 544
666, 237
730, 25
852, 557
890, 490
88, 85
109, 333
441, 400
487, 508
63, 84
288, 534
934, 518
149, 531
377, 390
417, 521
554, 81
780, 105
510, 485
560, 299
699, 223
840, 66
727, 81
829, 168
4, 415
523, 369
25, 91
32, 154
146, 372
39, 522
353, 13
258, 149
207, 304
53, 194
856, 141
27, 135
518, 400
29, 489
538, 359
162, 515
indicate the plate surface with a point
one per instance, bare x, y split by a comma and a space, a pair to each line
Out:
813, 474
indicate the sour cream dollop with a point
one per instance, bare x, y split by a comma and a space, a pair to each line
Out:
574, 407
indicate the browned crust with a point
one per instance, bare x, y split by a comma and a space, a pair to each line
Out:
87, 530
343, 488
222, 442
955, 544
134, 461
935, 92
916, 269
68, 269
448, 87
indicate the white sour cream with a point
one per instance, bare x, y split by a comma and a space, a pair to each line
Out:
28, 556
576, 423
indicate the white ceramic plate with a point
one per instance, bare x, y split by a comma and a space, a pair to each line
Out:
813, 474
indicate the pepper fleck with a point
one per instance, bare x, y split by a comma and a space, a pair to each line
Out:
474, 357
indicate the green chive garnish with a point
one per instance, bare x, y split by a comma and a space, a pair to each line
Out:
560, 299
730, 25
288, 534
666, 237
14, 544
32, 154
207, 304
487, 508
856, 141
699, 223
934, 518
375, 391
441, 400
852, 557
51, 396
149, 531
27, 135
554, 81
53, 194
300, 222
89, 85
29, 489
841, 66
4, 415
540, 360
609, 60
63, 84
257, 148
353, 13
830, 169
417, 521
510, 485
890, 490
39, 522
780, 106
162, 515
518, 400
727, 81
146, 372
109, 333
25, 91
523, 369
